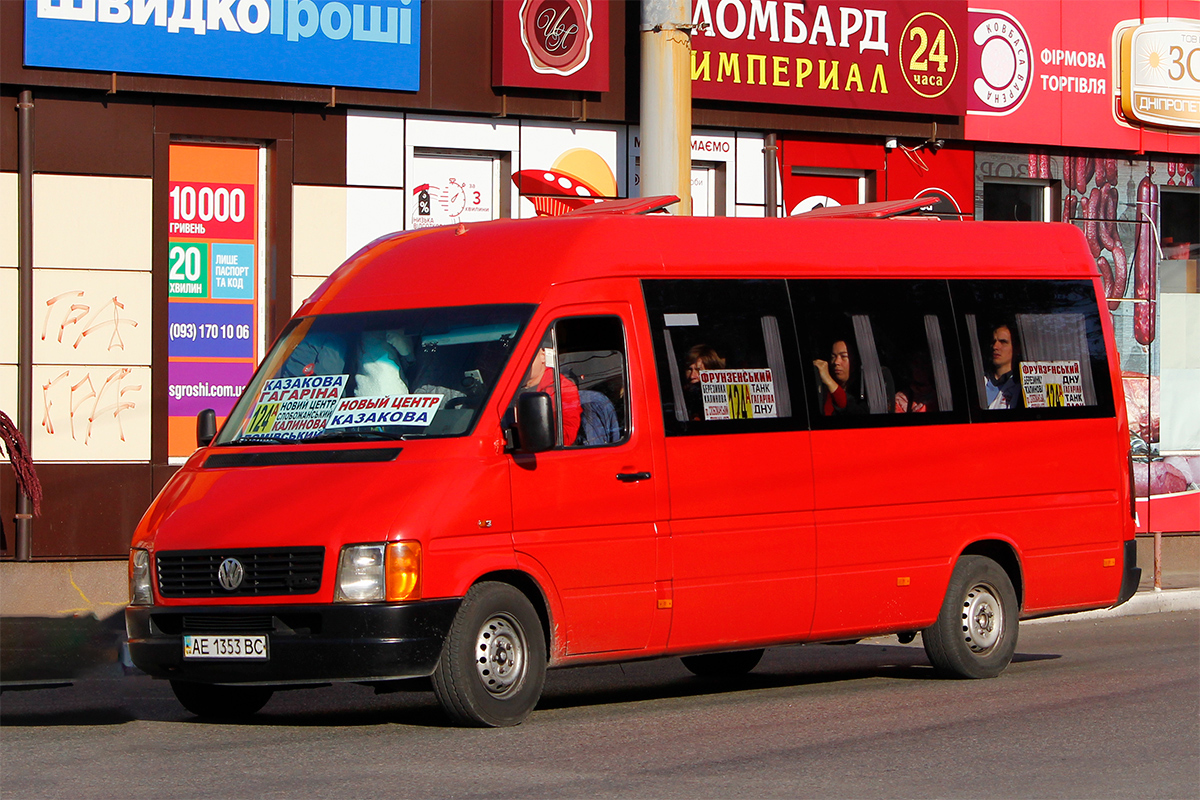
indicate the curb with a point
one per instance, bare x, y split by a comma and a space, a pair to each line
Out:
1150, 602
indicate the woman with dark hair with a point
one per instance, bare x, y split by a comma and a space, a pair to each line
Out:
841, 381
698, 359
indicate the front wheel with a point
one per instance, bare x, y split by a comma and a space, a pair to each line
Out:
976, 632
225, 703
493, 664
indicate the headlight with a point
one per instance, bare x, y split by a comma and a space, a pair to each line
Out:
360, 574
373, 572
140, 591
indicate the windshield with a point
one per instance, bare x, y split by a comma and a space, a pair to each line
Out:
377, 375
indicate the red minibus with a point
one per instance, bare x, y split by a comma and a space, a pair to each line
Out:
481, 451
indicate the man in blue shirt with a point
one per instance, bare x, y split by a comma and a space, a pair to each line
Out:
1001, 386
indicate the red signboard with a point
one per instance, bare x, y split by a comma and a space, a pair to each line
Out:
550, 44
1101, 74
889, 55
215, 210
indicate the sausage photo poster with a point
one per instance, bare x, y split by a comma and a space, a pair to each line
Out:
1118, 204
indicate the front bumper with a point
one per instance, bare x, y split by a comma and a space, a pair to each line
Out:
307, 643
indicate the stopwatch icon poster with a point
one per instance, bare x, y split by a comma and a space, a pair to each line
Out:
447, 190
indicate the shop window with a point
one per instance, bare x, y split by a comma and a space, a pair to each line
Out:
1036, 349
1027, 201
822, 187
708, 186
882, 352
708, 189
724, 351
453, 186
1180, 229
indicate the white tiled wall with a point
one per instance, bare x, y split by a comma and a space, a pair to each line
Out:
92, 325
83, 222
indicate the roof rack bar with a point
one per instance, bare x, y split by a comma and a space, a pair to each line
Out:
630, 206
882, 210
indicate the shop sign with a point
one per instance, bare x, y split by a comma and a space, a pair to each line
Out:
999, 63
1090, 75
889, 55
1160, 73
213, 280
551, 44
373, 44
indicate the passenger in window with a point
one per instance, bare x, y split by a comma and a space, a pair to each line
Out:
698, 359
317, 354
920, 393
382, 356
841, 382
540, 378
598, 419
1000, 386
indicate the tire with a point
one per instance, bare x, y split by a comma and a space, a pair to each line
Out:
224, 703
493, 664
976, 632
723, 665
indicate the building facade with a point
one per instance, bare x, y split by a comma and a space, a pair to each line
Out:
198, 167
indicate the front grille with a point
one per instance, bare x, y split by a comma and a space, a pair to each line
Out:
280, 623
270, 571
228, 623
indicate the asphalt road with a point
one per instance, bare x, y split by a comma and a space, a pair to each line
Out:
1088, 709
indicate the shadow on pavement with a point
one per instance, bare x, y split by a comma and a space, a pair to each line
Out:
84, 716
49, 650
139, 698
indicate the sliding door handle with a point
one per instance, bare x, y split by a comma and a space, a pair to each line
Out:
633, 477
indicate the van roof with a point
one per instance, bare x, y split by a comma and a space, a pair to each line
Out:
517, 261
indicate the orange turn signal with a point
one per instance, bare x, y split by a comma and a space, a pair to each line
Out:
403, 571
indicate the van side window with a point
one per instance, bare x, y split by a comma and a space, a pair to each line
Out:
724, 351
880, 352
581, 364
1035, 348
592, 355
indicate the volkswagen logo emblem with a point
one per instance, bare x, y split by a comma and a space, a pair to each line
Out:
230, 574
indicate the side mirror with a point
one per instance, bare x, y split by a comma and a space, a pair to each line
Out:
206, 427
535, 421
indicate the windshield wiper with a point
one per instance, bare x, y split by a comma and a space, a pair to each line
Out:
352, 436
252, 440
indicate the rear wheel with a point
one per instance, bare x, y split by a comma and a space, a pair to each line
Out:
493, 664
221, 702
723, 665
976, 632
